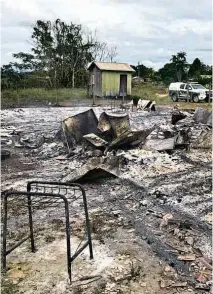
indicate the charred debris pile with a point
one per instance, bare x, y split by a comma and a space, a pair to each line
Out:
112, 133
170, 212
85, 135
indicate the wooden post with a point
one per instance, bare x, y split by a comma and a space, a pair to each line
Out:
56, 87
93, 89
88, 90
209, 93
123, 94
93, 95
187, 71
187, 91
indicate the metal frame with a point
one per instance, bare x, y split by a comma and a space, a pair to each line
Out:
42, 195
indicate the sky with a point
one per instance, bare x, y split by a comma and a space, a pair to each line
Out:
145, 31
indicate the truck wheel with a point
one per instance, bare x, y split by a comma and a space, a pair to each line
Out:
195, 98
174, 98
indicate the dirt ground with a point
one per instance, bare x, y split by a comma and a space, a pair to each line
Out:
135, 249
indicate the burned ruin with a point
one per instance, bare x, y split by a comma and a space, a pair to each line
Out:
146, 173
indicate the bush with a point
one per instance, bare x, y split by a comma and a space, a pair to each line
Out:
12, 98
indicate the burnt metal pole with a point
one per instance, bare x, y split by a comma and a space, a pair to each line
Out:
87, 224
31, 224
4, 235
29, 202
51, 195
69, 260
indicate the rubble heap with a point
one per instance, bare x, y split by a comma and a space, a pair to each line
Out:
112, 132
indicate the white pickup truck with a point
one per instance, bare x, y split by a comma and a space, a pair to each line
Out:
197, 93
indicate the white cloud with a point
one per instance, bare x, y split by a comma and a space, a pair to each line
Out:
154, 65
199, 27
148, 31
163, 52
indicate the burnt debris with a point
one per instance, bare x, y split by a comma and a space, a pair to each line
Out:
111, 132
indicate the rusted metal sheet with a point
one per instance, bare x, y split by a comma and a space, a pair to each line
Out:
114, 66
176, 116
116, 124
104, 123
95, 140
75, 127
130, 138
125, 139
111, 131
95, 168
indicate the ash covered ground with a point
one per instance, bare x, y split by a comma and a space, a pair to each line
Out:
146, 221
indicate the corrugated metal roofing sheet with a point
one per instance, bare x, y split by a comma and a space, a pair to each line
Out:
114, 66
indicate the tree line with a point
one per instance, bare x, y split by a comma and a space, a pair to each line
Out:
60, 53
177, 70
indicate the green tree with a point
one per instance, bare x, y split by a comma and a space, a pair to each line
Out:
27, 61
167, 73
196, 68
60, 51
180, 64
10, 77
143, 71
206, 69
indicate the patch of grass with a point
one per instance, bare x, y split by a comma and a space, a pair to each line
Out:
159, 93
12, 98
182, 105
149, 92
